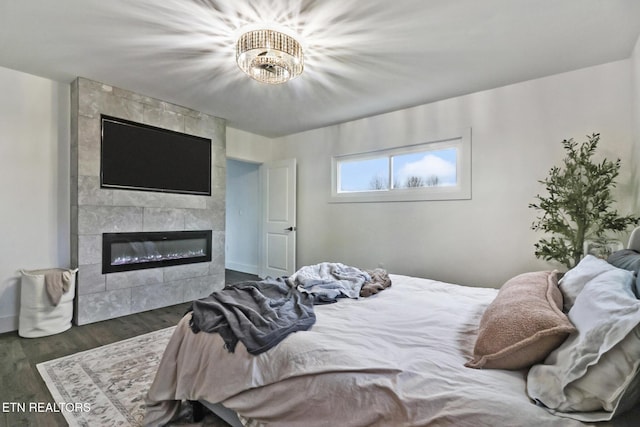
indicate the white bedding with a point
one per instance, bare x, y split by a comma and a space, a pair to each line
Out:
393, 359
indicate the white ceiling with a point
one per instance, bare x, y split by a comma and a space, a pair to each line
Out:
362, 57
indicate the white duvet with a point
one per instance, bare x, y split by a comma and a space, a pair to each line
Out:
392, 359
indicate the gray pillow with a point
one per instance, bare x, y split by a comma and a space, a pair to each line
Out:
627, 259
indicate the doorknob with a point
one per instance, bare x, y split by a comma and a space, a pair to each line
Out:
290, 229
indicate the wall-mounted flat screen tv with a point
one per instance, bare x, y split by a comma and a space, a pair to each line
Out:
136, 156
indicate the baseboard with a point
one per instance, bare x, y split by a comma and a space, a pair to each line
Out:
241, 267
9, 324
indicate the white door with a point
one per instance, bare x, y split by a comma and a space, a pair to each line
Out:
278, 235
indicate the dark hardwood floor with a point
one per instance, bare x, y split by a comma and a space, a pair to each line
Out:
20, 380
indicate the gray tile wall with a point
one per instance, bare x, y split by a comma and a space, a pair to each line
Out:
95, 211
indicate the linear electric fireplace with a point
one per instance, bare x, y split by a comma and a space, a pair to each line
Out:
135, 251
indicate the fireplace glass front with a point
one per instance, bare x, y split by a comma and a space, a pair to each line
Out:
135, 251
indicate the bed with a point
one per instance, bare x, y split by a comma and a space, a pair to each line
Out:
398, 358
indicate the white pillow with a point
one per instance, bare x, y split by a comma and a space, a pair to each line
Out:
590, 377
575, 279
613, 377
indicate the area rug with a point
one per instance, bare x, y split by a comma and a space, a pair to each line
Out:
106, 386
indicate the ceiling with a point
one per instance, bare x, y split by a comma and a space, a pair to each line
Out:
362, 57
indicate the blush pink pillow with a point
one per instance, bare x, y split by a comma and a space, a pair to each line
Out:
523, 324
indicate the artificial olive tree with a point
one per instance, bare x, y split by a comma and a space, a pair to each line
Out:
579, 203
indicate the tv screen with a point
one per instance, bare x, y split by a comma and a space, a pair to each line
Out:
135, 156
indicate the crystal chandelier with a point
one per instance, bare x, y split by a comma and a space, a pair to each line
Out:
269, 56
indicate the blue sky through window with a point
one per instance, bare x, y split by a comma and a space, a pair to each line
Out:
423, 166
426, 165
358, 175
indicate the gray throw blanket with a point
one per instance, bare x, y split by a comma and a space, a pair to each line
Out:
259, 314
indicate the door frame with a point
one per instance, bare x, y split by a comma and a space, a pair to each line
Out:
259, 239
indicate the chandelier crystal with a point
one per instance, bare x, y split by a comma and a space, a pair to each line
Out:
269, 56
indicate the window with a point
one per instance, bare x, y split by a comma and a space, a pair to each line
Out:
435, 170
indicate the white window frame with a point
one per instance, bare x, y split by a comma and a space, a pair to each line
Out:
460, 140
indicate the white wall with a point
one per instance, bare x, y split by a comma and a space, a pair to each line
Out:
516, 138
635, 84
242, 216
248, 147
34, 182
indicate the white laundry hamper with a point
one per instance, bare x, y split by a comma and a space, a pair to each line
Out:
38, 316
